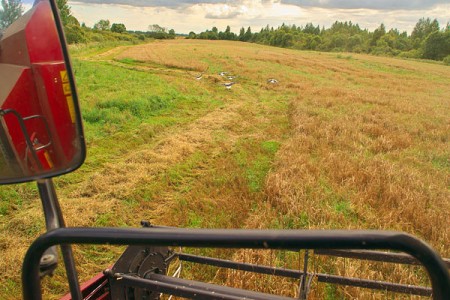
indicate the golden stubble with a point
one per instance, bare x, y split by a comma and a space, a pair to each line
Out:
365, 147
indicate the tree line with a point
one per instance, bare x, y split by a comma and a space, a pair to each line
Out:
75, 32
103, 30
427, 40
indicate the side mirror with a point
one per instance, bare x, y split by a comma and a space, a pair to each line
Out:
41, 133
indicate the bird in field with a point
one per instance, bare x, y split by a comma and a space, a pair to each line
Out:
200, 76
272, 80
228, 85
197, 76
223, 74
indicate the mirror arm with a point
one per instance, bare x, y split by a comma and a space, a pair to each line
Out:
23, 128
54, 220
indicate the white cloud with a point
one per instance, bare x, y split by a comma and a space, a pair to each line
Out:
368, 4
185, 16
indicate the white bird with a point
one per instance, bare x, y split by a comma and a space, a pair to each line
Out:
228, 84
198, 77
272, 80
223, 73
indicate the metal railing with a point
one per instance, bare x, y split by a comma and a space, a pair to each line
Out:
255, 239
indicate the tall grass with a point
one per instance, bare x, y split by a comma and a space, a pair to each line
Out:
354, 143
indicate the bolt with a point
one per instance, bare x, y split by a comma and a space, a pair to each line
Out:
108, 272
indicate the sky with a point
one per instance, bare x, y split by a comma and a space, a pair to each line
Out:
187, 15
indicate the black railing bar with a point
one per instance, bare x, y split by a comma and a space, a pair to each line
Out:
23, 128
47, 128
296, 274
380, 256
55, 219
190, 289
171, 257
237, 238
217, 262
374, 285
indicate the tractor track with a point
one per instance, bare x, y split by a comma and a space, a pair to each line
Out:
118, 181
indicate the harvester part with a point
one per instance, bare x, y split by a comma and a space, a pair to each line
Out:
216, 238
193, 289
139, 261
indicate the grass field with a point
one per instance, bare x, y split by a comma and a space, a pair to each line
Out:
342, 141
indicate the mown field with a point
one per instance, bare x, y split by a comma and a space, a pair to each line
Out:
341, 141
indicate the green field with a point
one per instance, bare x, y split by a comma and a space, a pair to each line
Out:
341, 141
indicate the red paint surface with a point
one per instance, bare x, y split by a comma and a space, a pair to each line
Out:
32, 51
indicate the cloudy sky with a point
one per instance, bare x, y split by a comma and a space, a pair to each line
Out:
188, 15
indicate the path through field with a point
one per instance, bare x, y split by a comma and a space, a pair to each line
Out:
341, 141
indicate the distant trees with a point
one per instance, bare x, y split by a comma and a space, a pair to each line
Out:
423, 28
158, 32
228, 35
192, 35
426, 41
156, 28
377, 35
102, 25
118, 27
172, 34
241, 34
74, 32
311, 29
103, 31
245, 36
11, 11
65, 13
437, 45
215, 34
248, 35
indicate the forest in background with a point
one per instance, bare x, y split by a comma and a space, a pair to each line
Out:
427, 40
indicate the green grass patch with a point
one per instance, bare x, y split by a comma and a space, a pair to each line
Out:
384, 68
441, 162
343, 207
341, 56
104, 220
130, 61
288, 221
257, 171
180, 175
332, 293
96, 48
270, 147
118, 111
10, 198
124, 109
255, 158
194, 220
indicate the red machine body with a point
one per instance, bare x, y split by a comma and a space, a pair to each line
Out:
32, 67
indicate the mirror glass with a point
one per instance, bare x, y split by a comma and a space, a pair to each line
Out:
40, 124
